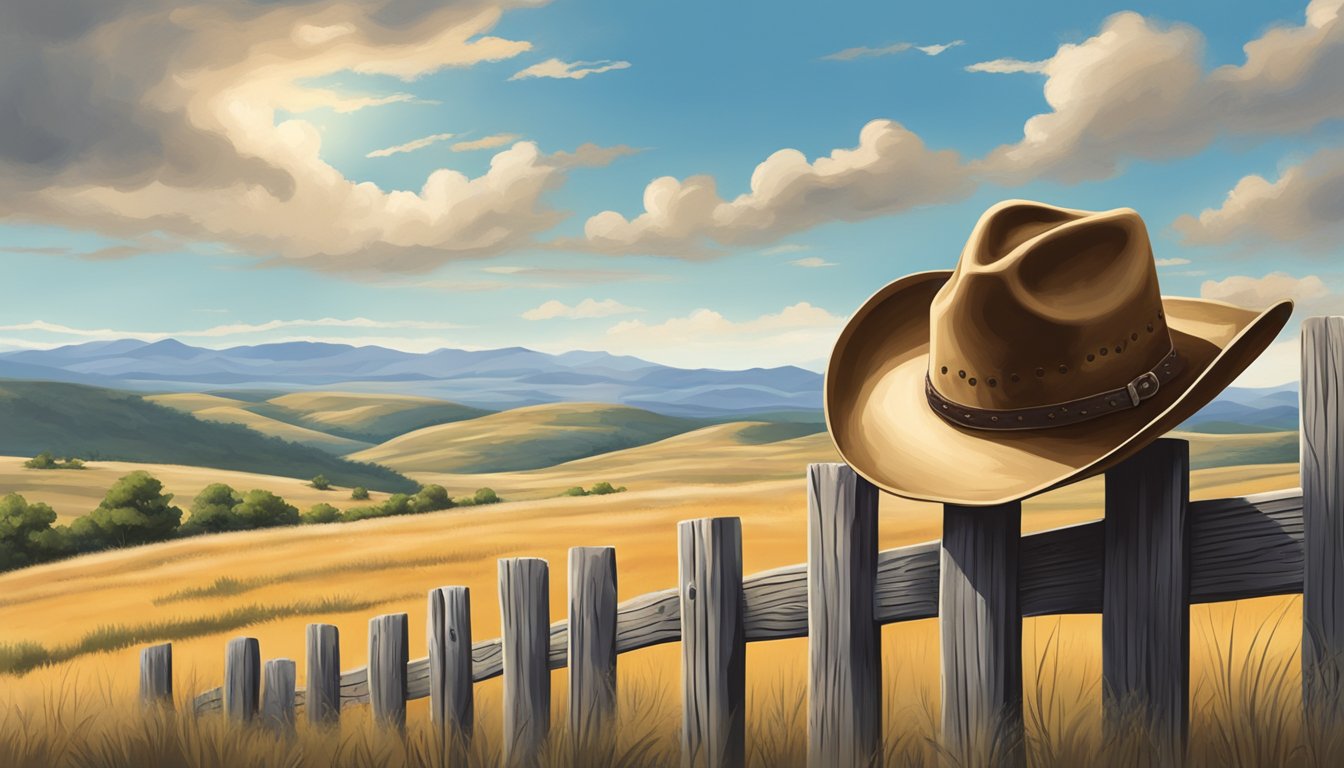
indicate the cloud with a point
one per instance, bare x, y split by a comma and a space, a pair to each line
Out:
1310, 293
185, 140
588, 308
890, 170
485, 142
1008, 66
223, 331
590, 155
705, 338
812, 262
573, 275
569, 70
865, 52
1138, 89
1304, 205
1172, 262
780, 250
410, 146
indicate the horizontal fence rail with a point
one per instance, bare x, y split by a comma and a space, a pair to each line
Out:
1243, 547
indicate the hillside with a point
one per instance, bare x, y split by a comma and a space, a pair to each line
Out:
96, 423
525, 438
229, 411
367, 418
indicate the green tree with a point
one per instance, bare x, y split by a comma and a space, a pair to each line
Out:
43, 460
321, 483
359, 493
26, 535
263, 509
361, 513
134, 511
602, 489
485, 496
320, 512
212, 510
431, 498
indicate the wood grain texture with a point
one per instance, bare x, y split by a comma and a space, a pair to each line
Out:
389, 652
524, 605
592, 647
1323, 515
1240, 548
844, 710
242, 678
980, 624
156, 676
322, 699
452, 705
1145, 620
713, 643
277, 695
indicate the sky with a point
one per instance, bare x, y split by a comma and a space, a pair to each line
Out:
698, 184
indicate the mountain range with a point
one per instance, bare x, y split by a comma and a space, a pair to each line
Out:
493, 379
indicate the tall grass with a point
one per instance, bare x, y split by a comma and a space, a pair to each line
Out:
1246, 710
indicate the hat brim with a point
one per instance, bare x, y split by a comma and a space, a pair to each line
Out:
881, 423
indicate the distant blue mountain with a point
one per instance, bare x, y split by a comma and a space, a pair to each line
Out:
492, 378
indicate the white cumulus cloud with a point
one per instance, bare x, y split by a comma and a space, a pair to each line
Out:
588, 308
569, 70
410, 146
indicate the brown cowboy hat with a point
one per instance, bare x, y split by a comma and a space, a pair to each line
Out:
1047, 356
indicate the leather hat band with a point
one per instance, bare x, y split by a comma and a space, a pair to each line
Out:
1059, 414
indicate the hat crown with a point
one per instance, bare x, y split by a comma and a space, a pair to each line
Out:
1047, 305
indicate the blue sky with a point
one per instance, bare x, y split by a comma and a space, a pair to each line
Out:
224, 197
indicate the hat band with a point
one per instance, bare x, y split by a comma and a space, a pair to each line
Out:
1060, 414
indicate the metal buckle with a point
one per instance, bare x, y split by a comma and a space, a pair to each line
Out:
1143, 387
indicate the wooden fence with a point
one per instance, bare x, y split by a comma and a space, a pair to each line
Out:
1153, 555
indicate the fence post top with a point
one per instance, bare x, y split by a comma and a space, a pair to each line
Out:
729, 520
451, 590
597, 548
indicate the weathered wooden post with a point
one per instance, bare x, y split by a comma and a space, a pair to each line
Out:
451, 702
980, 620
1323, 518
277, 696
322, 699
592, 646
242, 678
844, 712
156, 676
389, 652
713, 643
524, 605
1145, 621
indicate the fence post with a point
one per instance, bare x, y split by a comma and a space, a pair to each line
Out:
451, 702
980, 621
389, 652
277, 699
524, 605
156, 676
844, 712
1323, 518
323, 697
1145, 616
242, 678
713, 643
592, 646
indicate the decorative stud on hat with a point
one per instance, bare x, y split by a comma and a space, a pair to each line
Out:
1047, 356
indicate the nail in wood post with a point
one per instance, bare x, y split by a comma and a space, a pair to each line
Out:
1323, 517
713, 647
525, 613
156, 676
844, 715
592, 646
323, 697
451, 705
389, 652
1145, 619
980, 621
277, 696
242, 678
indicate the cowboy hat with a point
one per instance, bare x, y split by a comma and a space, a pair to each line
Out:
1048, 355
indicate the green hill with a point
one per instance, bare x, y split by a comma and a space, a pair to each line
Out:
95, 423
365, 418
526, 438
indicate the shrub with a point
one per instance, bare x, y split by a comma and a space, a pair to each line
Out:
26, 535
320, 512
263, 509
45, 460
212, 510
321, 483
431, 498
361, 513
134, 511
359, 493
575, 491
603, 488
485, 496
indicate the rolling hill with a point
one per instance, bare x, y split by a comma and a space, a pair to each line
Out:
96, 423
364, 417
525, 438
229, 411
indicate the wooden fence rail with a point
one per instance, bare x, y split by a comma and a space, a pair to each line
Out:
1153, 555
